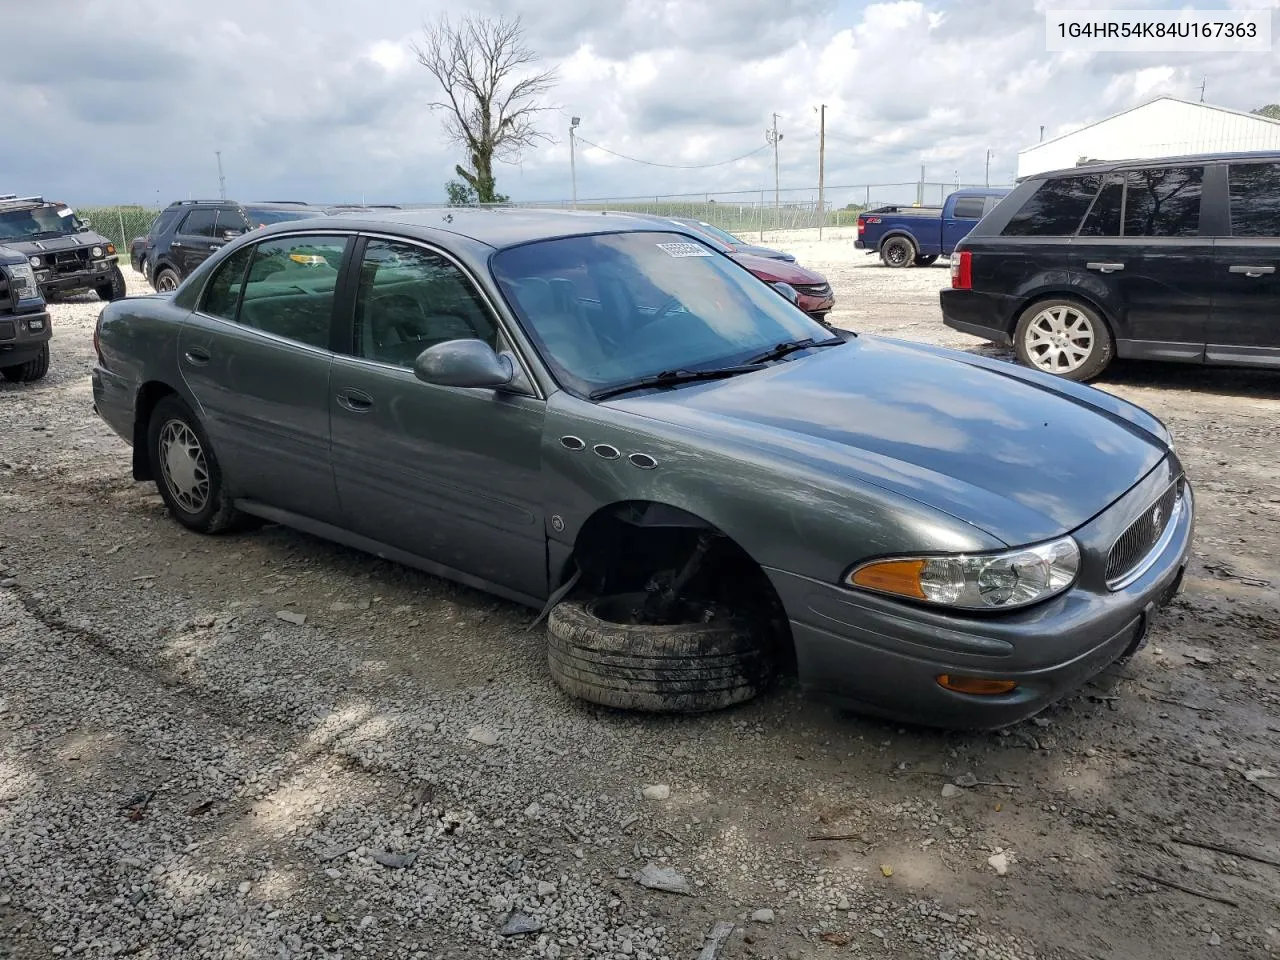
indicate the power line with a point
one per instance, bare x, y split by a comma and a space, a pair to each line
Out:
672, 166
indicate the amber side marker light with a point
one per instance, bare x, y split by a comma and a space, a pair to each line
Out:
975, 685
895, 576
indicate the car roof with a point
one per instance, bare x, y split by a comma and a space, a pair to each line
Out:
1107, 166
497, 228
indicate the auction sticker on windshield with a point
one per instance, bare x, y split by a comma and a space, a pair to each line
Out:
684, 249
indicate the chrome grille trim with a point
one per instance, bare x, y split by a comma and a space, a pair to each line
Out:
1137, 549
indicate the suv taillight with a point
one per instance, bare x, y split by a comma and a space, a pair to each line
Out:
962, 271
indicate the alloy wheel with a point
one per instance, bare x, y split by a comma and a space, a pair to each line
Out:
1060, 339
182, 461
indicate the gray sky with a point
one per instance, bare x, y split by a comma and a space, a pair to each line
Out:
322, 99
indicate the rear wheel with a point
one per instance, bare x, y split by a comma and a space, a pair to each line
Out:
1064, 337
596, 652
33, 369
166, 280
186, 470
897, 252
926, 259
114, 288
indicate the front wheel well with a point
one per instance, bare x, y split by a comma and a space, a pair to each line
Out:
643, 546
149, 394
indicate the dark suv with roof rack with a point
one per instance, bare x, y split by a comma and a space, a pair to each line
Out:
188, 232
1170, 259
65, 254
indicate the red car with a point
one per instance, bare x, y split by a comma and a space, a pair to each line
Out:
816, 297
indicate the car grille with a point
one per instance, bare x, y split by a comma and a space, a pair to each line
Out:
813, 289
70, 261
6, 299
1137, 542
8, 330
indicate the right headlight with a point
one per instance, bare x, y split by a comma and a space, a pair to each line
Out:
23, 279
989, 581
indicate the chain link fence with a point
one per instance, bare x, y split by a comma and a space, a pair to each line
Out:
752, 214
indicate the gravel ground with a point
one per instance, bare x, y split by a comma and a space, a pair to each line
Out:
183, 772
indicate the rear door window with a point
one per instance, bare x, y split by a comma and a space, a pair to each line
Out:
200, 223
222, 295
1104, 217
289, 289
1163, 202
163, 222
1056, 209
1255, 199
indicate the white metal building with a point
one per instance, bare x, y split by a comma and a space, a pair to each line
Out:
1164, 127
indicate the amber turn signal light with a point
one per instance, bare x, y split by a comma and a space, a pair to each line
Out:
975, 685
894, 576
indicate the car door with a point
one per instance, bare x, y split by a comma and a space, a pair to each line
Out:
451, 475
1142, 241
194, 240
256, 355
964, 216
1245, 325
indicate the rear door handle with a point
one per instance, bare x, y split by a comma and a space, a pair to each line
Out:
1105, 267
355, 400
197, 357
176, 243
1252, 271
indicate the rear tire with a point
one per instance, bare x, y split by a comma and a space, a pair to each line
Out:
186, 469
678, 668
113, 289
166, 280
34, 369
897, 252
1065, 338
926, 259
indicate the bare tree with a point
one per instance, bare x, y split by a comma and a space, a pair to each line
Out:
492, 94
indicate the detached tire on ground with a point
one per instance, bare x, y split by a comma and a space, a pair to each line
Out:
33, 369
678, 668
898, 252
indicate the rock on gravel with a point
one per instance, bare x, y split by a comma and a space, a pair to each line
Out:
657, 791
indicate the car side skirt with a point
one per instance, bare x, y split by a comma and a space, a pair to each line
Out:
1160, 350
355, 541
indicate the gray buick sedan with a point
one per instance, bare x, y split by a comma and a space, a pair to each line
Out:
696, 484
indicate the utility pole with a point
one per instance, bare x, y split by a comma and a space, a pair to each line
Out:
773, 136
573, 164
988, 168
1203, 81
1042, 133
822, 167
920, 188
222, 181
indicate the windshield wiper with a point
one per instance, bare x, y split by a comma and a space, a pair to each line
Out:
672, 378
783, 349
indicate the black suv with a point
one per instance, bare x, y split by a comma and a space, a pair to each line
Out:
1175, 259
66, 255
24, 322
188, 232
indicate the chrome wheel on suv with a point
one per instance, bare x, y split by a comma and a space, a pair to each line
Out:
1064, 338
166, 280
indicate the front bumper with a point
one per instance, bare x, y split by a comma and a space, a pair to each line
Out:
95, 275
23, 336
882, 656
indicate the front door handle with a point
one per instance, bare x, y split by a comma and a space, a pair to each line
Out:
1105, 267
176, 243
197, 357
355, 400
1252, 271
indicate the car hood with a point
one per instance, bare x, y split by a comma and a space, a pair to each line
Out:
777, 271
72, 241
1017, 458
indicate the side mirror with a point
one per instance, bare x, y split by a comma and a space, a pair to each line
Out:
788, 291
84, 223
463, 363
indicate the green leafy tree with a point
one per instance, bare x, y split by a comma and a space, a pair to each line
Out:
1271, 111
460, 193
492, 92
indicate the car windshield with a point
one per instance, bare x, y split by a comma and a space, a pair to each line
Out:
36, 222
261, 217
605, 310
719, 234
